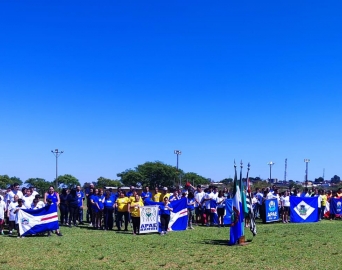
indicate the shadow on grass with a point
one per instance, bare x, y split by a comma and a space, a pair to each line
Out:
219, 242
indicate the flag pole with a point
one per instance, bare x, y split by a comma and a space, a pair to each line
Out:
243, 221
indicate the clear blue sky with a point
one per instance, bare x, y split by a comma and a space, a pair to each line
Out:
117, 83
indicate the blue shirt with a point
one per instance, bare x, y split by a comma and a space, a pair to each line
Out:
80, 196
100, 203
192, 206
164, 210
53, 197
108, 203
95, 200
129, 194
146, 195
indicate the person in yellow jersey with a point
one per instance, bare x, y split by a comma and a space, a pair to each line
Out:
165, 194
135, 213
323, 203
157, 195
122, 204
132, 198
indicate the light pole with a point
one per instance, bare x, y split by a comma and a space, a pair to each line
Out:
178, 152
271, 163
56, 153
306, 171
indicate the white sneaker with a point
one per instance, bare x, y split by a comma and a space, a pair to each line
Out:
90, 225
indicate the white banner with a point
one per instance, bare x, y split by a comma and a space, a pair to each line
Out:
149, 219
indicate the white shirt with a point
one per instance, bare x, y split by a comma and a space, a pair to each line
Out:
2, 209
11, 207
220, 202
39, 205
12, 193
34, 193
270, 196
198, 197
285, 201
28, 201
319, 200
214, 196
208, 196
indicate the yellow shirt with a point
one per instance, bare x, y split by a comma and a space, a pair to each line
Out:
156, 197
324, 200
123, 204
132, 199
135, 211
163, 196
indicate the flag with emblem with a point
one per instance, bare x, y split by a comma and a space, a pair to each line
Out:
252, 224
304, 209
38, 221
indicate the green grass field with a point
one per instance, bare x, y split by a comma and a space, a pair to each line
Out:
277, 246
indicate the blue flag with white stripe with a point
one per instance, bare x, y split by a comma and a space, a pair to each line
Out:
227, 219
304, 209
179, 215
38, 220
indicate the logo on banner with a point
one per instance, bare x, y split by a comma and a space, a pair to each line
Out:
304, 210
25, 221
339, 207
271, 206
148, 214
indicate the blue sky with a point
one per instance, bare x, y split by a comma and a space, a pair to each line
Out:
117, 83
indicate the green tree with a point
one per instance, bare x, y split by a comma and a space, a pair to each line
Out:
106, 182
5, 180
67, 180
336, 179
41, 184
319, 180
227, 181
195, 179
151, 174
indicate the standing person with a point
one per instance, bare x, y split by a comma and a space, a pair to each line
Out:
206, 199
51, 194
165, 212
191, 209
2, 215
33, 191
108, 210
49, 202
199, 194
11, 214
94, 200
146, 195
28, 198
122, 203
258, 205
88, 192
89, 207
130, 192
101, 207
72, 201
285, 206
135, 213
157, 195
174, 196
15, 191
220, 201
19, 206
35, 204
165, 194
63, 207
226, 193
319, 198
324, 203
80, 196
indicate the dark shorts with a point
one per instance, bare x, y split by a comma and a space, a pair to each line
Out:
198, 211
286, 209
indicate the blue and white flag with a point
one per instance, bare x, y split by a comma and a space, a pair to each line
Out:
336, 206
227, 219
179, 215
38, 221
304, 209
213, 210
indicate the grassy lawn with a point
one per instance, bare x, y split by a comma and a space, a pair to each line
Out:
277, 246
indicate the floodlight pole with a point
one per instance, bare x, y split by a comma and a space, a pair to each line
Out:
56, 153
306, 171
178, 152
271, 163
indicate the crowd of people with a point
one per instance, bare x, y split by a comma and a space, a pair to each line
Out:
106, 209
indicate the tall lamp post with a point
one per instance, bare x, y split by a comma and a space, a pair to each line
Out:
178, 152
306, 171
56, 153
271, 163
